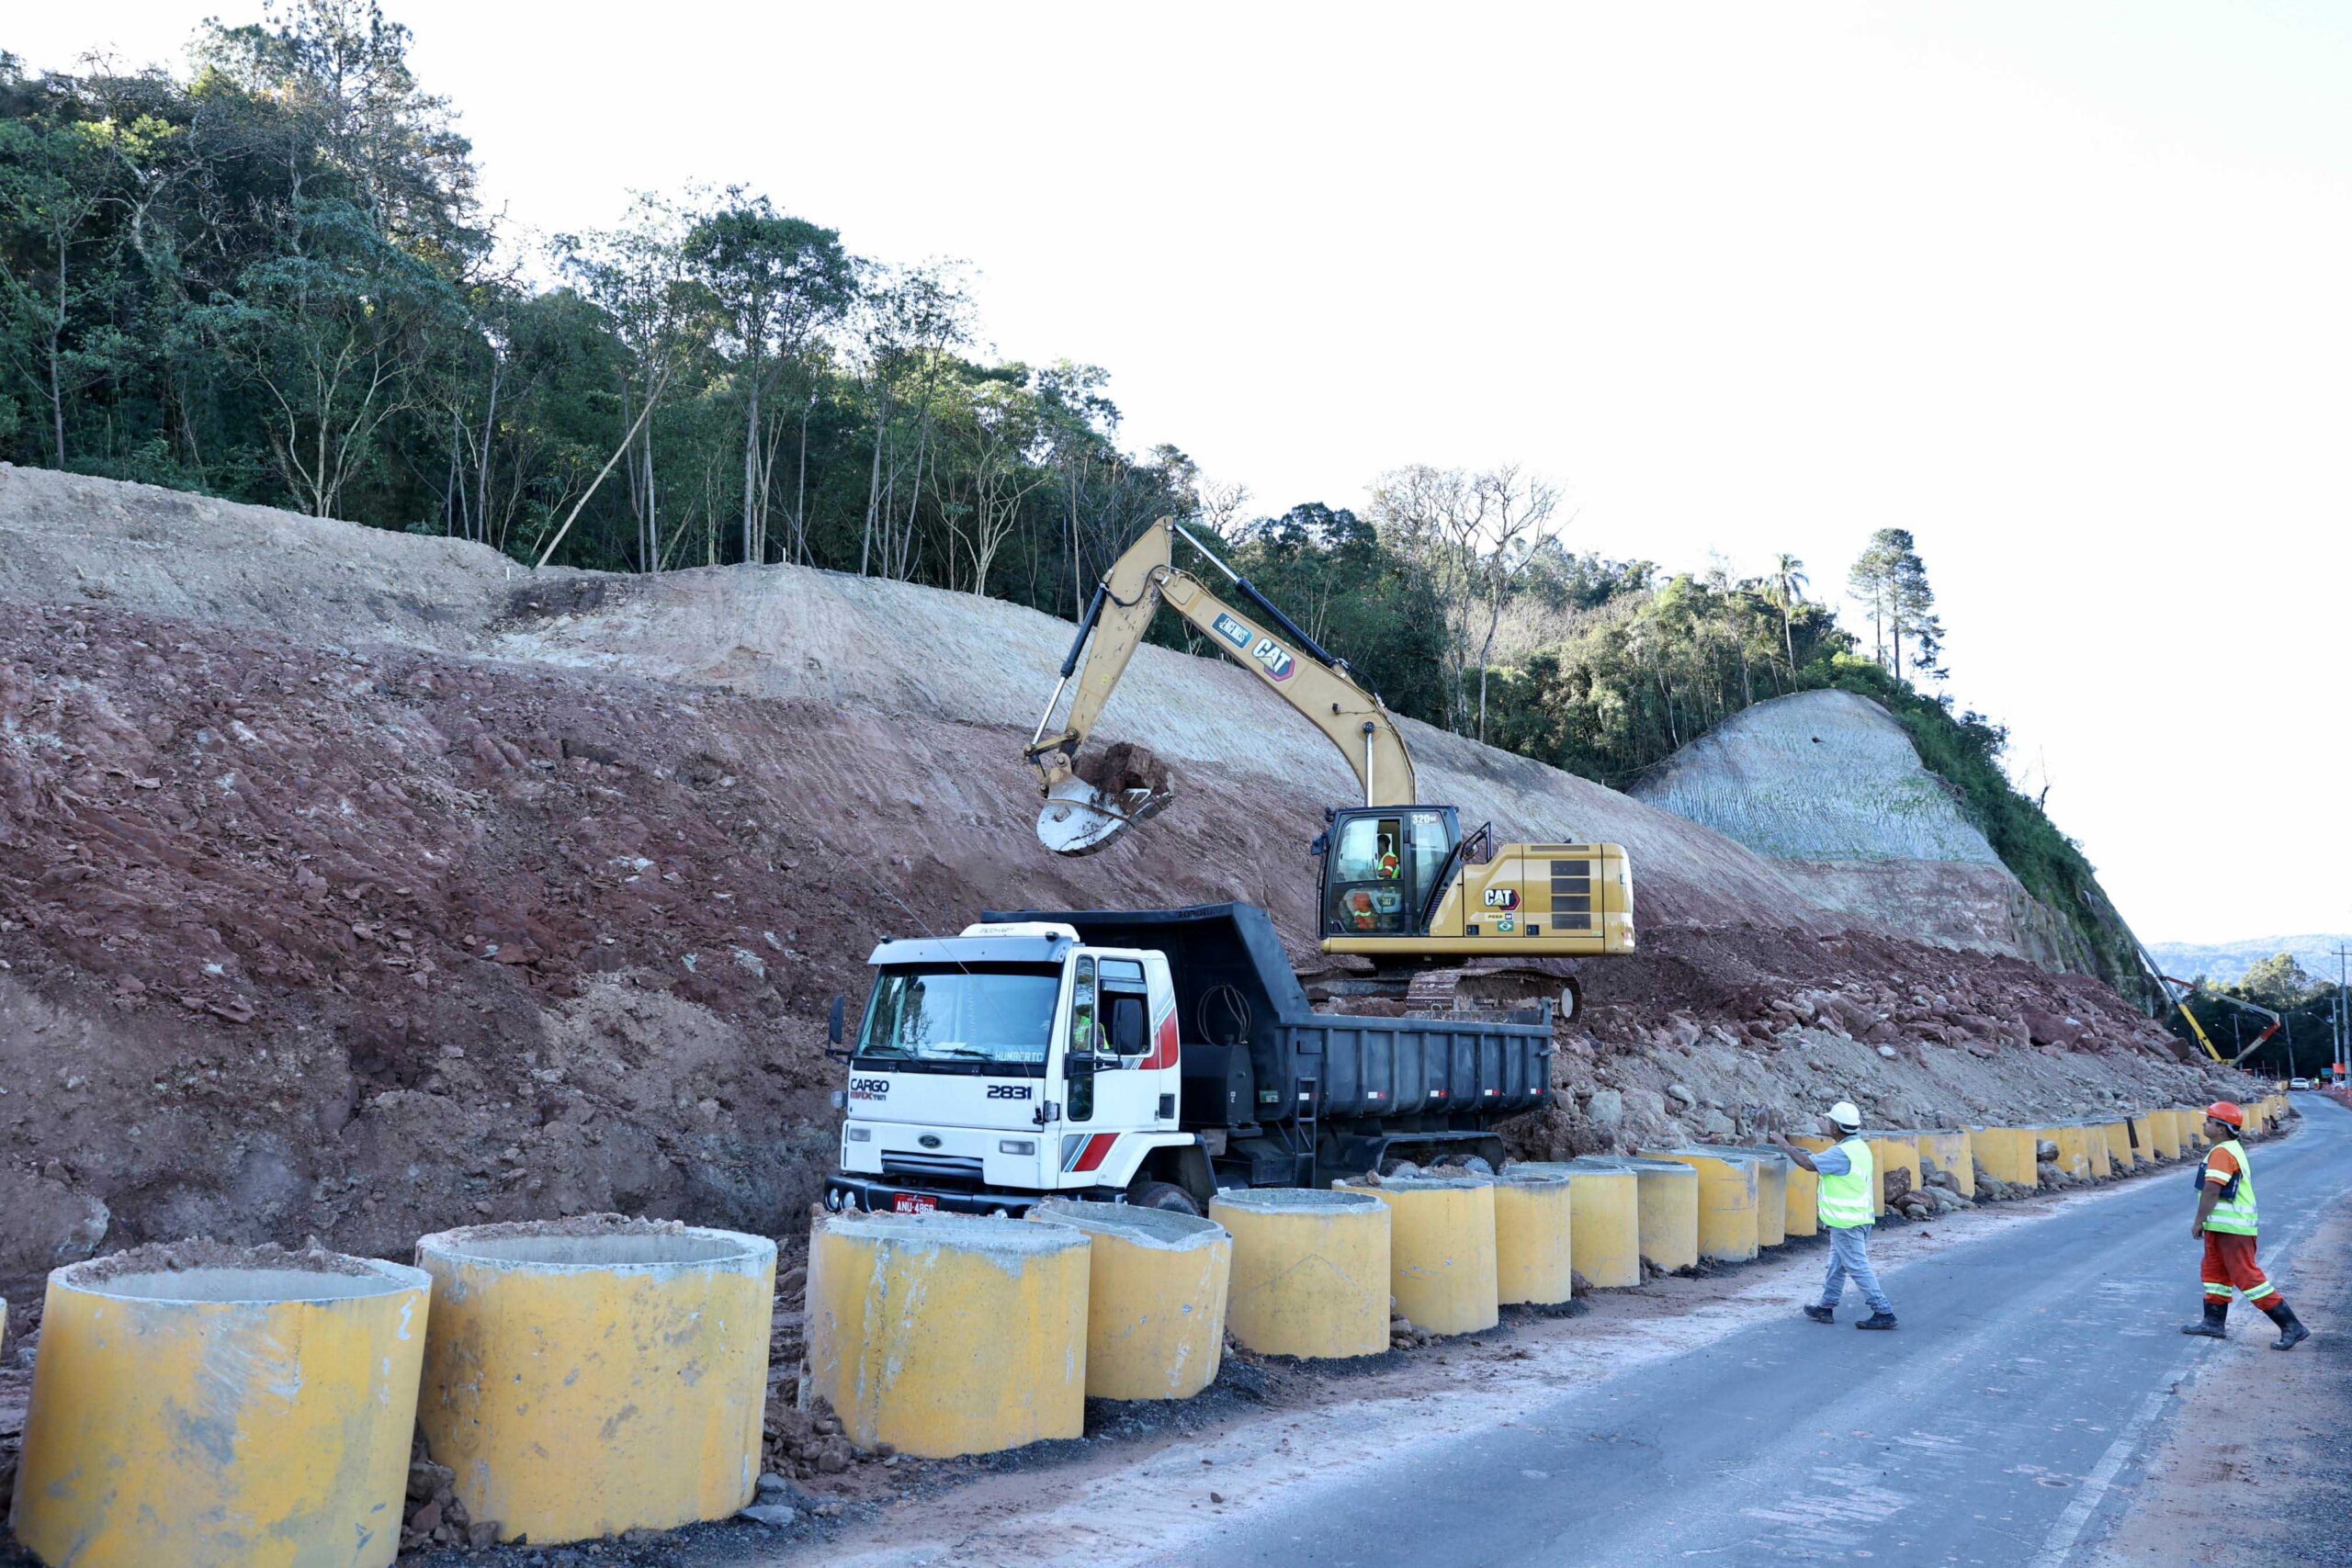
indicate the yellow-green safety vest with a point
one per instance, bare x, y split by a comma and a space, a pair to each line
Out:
1844, 1202
2232, 1215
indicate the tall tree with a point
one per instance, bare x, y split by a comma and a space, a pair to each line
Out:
780, 281
1788, 583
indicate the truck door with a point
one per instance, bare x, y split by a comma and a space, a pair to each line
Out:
1128, 1090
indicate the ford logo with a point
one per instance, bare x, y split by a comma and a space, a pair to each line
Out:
929, 1140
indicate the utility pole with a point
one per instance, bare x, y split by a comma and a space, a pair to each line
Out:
2343, 1018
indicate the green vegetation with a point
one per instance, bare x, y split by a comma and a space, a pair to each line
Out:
269, 279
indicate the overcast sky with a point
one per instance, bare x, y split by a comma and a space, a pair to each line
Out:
2061, 288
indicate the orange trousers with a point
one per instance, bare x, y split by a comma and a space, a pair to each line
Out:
2230, 1266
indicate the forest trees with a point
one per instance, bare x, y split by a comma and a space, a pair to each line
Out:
268, 279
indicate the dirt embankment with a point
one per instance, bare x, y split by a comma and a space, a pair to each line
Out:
357, 885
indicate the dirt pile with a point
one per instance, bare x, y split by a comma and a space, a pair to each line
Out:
359, 886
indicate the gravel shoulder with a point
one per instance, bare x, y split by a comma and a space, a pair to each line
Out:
2255, 1465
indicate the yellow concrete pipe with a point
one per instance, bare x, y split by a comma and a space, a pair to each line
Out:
1776, 1194
1440, 1249
1535, 1238
2095, 1150
2119, 1145
587, 1377
1310, 1271
1728, 1230
1954, 1152
2074, 1149
247, 1415
1155, 1298
1668, 1195
1893, 1151
2006, 1153
1605, 1224
2164, 1132
2192, 1126
949, 1333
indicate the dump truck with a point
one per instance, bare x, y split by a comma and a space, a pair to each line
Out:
1146, 1057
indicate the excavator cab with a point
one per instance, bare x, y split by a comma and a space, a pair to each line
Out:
1383, 866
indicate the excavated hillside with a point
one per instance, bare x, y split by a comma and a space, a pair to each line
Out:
358, 885
1828, 784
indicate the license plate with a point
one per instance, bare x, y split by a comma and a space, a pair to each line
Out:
913, 1203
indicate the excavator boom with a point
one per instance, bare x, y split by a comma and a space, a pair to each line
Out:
1079, 819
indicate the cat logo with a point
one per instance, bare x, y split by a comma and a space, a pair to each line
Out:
1503, 898
1269, 653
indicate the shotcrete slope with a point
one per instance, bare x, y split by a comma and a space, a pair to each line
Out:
358, 885
1829, 785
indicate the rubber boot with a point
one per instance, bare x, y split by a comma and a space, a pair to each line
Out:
1877, 1320
2217, 1311
1822, 1314
2292, 1332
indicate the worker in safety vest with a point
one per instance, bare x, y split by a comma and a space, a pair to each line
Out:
2225, 1219
1389, 861
1848, 1178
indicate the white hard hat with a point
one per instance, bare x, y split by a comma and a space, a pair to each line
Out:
1846, 1115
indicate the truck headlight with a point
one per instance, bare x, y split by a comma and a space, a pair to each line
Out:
1016, 1146
859, 1134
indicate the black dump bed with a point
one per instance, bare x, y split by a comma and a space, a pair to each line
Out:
1251, 1044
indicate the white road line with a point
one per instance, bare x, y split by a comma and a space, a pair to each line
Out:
2060, 1542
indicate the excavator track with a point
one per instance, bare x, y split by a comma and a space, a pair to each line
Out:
1500, 990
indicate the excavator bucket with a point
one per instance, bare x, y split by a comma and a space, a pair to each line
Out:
1088, 805
1079, 819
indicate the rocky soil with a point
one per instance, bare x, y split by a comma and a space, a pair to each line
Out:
357, 885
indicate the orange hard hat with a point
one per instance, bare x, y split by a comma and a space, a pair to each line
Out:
2227, 1111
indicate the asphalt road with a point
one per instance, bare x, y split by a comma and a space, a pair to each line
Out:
2001, 1425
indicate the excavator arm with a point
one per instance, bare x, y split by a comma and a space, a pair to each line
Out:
2179, 991
1079, 819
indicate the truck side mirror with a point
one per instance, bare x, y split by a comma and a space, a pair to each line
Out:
836, 1025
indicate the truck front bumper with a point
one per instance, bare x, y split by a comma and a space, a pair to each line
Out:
881, 1194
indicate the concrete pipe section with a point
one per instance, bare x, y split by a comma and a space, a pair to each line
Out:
2119, 1146
1954, 1152
2074, 1148
208, 1406
1728, 1230
1892, 1151
1310, 1271
2163, 1133
1534, 1237
1787, 1192
1440, 1249
590, 1376
1667, 1197
949, 1333
1604, 1218
1155, 1297
2191, 1120
2006, 1153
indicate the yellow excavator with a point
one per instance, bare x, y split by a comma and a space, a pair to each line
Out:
1403, 885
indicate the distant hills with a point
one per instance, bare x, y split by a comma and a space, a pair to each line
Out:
2229, 960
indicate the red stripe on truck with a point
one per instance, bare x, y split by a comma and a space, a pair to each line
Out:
1098, 1149
1163, 1046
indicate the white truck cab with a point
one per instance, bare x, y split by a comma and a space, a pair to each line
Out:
1011, 1063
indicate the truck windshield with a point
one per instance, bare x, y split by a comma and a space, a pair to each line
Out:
986, 1016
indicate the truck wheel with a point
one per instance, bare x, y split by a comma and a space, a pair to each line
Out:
1163, 1195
